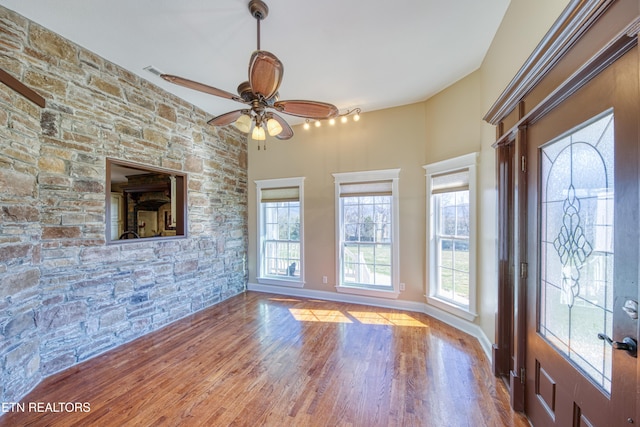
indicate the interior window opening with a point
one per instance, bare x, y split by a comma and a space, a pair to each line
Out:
144, 202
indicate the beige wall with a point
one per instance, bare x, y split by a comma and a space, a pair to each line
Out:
393, 138
523, 27
453, 127
404, 137
447, 125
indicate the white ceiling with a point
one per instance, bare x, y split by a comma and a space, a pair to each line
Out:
370, 54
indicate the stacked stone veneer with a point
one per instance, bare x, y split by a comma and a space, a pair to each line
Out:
65, 295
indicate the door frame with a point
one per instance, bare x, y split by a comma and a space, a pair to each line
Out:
511, 327
603, 30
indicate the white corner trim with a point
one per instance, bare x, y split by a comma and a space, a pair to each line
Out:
279, 182
451, 308
367, 292
462, 325
448, 165
373, 175
280, 282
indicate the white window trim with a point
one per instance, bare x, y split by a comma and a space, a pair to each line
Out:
279, 183
468, 161
366, 176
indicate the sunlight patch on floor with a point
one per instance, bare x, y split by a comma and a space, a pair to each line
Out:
284, 299
391, 319
315, 315
364, 317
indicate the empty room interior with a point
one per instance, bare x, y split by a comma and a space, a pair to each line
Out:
429, 220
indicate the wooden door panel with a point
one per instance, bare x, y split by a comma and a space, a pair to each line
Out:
579, 419
563, 400
574, 379
545, 389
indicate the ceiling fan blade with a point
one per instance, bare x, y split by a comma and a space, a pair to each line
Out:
309, 109
200, 86
265, 73
226, 118
286, 132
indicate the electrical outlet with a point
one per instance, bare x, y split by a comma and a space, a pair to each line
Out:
402, 286
324, 279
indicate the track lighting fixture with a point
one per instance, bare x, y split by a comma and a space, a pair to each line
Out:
344, 118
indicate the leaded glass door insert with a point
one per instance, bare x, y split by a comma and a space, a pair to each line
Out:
576, 259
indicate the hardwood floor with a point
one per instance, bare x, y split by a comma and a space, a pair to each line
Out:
268, 360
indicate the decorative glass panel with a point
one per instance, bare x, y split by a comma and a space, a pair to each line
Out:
576, 246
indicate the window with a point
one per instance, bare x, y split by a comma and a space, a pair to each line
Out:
367, 232
451, 201
576, 245
144, 202
280, 228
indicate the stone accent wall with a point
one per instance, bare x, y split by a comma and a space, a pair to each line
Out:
65, 295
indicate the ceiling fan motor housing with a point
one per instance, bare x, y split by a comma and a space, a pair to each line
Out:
244, 90
258, 9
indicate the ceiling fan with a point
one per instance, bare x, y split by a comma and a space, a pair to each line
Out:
260, 93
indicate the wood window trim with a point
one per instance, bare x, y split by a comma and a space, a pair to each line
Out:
574, 21
573, 24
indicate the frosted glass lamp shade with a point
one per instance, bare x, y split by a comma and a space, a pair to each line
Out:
273, 127
243, 124
258, 133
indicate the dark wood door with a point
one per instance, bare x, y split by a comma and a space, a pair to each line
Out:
509, 350
583, 254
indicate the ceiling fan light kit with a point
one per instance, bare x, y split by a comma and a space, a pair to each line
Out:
258, 134
243, 123
261, 95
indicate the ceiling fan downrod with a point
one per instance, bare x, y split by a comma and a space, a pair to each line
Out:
259, 10
259, 93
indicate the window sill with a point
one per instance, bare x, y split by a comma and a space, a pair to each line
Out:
291, 283
391, 294
452, 308
144, 239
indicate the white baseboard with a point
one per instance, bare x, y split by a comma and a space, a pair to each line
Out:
451, 320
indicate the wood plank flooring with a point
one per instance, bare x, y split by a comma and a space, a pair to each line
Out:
267, 360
